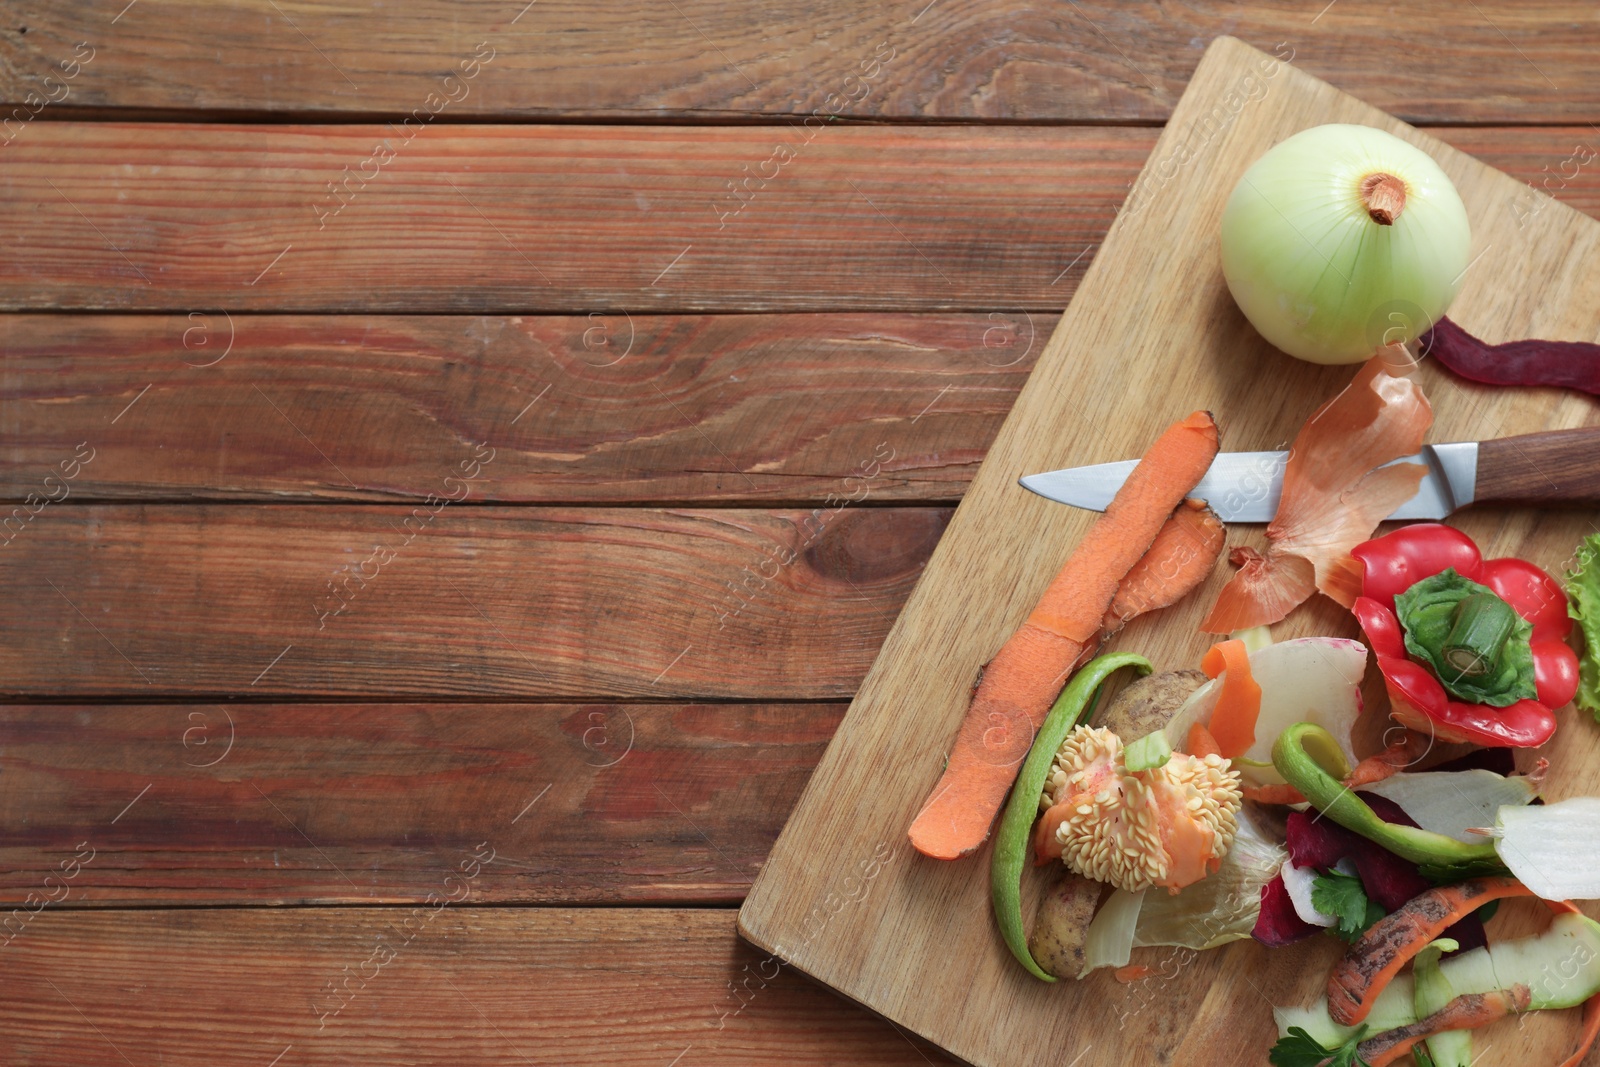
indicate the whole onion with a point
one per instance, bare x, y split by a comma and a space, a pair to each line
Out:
1341, 239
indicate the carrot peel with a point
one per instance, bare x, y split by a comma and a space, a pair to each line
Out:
1181, 557
1201, 742
1389, 944
1024, 677
1233, 722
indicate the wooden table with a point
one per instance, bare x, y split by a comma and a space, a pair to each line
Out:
461, 461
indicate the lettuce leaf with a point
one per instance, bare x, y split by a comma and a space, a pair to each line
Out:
1583, 585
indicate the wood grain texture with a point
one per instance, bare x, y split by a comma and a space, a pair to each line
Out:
1549, 468
544, 987
146, 216
1147, 339
474, 602
1098, 60
362, 803
183, 218
624, 408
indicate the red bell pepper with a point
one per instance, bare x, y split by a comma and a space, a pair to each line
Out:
1395, 562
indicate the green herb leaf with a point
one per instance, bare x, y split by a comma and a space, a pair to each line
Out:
1583, 585
1341, 895
1427, 613
1299, 1049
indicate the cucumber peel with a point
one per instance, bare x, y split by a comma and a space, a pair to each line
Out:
1561, 968
1011, 841
1307, 756
1452, 1048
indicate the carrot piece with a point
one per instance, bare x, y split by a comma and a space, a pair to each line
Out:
1045, 845
1273, 794
1591, 1030
1181, 557
1133, 972
1233, 723
1466, 1012
1024, 677
1389, 944
1384, 764
1591, 1007
1200, 742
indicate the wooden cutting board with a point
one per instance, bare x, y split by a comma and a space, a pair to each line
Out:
1151, 335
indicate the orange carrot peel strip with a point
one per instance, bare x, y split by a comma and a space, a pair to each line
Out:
1273, 794
1182, 556
1024, 677
1334, 496
1372, 962
1233, 722
1591, 1030
1201, 742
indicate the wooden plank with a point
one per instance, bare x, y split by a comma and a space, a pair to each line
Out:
1149, 338
473, 602
518, 219
1098, 60
145, 216
625, 408
323, 986
362, 803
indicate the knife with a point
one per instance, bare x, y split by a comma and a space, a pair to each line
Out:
1537, 469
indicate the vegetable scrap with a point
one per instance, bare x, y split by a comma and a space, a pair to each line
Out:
1470, 650
1168, 826
1012, 842
1583, 584
1336, 489
1161, 821
1558, 364
1019, 684
1183, 554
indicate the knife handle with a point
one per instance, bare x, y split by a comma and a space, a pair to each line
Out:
1541, 469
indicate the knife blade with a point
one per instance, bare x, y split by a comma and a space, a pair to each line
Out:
1245, 486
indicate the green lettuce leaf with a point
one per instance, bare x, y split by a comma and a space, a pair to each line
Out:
1583, 585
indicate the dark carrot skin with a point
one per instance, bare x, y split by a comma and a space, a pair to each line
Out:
1383, 950
1467, 1012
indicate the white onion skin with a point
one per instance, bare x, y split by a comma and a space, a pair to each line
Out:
1310, 268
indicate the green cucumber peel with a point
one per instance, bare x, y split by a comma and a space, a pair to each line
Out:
1432, 991
1011, 841
1298, 755
1151, 750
